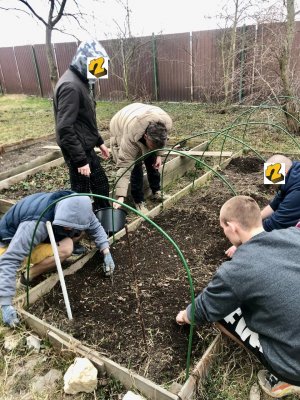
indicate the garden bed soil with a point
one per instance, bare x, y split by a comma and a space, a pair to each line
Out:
23, 154
105, 311
57, 178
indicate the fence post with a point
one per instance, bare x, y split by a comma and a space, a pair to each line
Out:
191, 67
154, 59
2, 82
37, 71
18, 71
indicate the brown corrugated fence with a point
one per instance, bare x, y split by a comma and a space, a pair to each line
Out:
175, 67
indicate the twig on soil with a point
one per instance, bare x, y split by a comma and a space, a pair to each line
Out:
137, 291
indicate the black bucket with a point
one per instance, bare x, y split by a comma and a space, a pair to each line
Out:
112, 220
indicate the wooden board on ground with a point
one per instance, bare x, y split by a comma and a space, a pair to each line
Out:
195, 153
6, 183
5, 205
199, 373
4, 148
29, 165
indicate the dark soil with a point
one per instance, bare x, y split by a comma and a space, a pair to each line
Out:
106, 313
23, 154
245, 165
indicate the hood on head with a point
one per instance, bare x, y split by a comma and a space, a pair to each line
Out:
88, 48
75, 212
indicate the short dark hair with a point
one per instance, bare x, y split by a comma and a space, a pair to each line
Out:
157, 133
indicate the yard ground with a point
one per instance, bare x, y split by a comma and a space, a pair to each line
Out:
23, 117
29, 117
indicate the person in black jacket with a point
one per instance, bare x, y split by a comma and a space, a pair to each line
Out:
76, 126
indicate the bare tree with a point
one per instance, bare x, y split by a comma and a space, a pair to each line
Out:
56, 11
127, 53
290, 106
233, 14
275, 72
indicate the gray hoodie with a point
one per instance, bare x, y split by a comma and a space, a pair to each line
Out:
263, 280
73, 212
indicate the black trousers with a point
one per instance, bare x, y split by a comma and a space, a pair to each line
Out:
136, 179
236, 325
96, 183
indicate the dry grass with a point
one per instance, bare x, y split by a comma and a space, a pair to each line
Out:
23, 117
20, 366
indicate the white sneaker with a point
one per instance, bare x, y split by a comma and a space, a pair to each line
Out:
141, 207
157, 196
274, 387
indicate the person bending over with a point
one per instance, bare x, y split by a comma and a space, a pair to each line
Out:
254, 298
135, 130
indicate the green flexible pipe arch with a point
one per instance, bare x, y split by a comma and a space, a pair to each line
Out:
180, 153
160, 230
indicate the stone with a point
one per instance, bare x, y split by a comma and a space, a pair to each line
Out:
33, 343
175, 388
81, 376
254, 392
42, 383
11, 342
132, 396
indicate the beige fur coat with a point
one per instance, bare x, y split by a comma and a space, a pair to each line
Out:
126, 129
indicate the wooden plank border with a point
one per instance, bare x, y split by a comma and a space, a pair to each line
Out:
62, 341
200, 372
183, 164
29, 165
6, 183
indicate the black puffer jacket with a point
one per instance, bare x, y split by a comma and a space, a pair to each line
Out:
76, 126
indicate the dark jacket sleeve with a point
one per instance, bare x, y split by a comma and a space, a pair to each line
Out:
100, 141
215, 302
68, 101
286, 212
275, 202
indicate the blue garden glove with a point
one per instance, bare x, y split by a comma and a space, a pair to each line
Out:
109, 265
9, 316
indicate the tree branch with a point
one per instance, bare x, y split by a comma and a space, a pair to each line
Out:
15, 9
50, 15
66, 33
33, 12
60, 13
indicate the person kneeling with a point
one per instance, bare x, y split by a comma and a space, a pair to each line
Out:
69, 217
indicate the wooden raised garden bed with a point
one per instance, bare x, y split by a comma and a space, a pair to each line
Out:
105, 317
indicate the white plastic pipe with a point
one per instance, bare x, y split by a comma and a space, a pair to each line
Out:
59, 269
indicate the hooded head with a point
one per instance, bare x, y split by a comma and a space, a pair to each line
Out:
89, 48
74, 212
